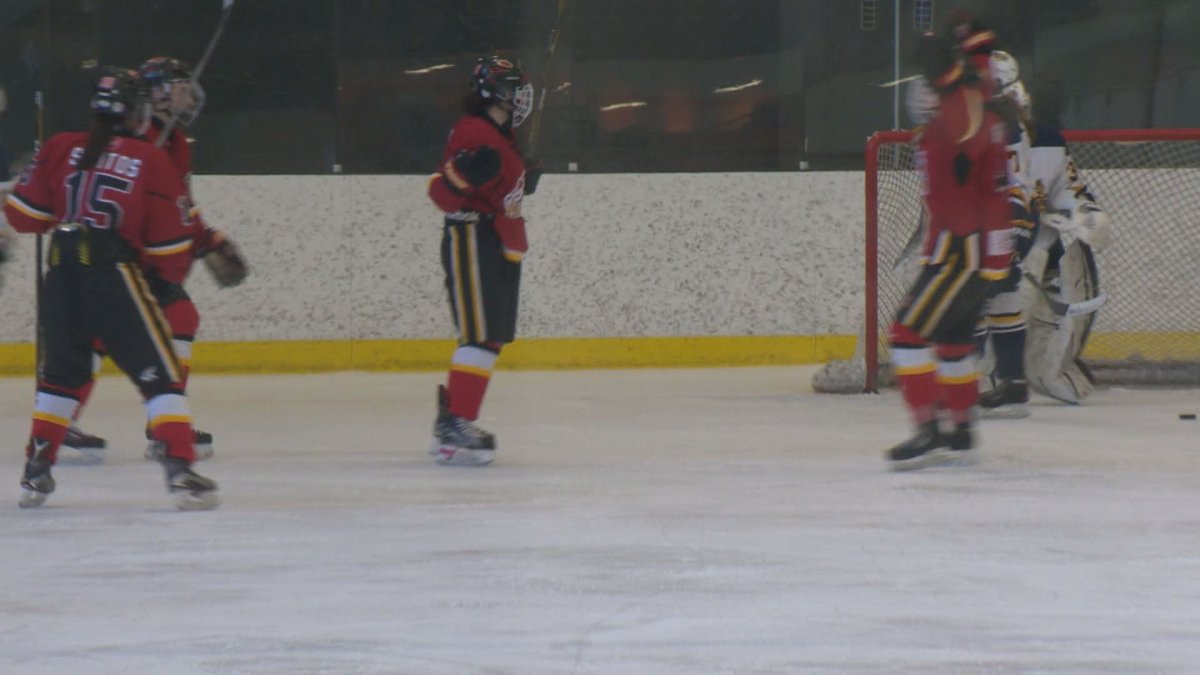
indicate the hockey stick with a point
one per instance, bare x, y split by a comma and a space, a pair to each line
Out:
39, 111
536, 124
39, 240
1069, 309
226, 10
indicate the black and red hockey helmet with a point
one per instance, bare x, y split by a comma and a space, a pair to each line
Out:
121, 94
496, 78
172, 89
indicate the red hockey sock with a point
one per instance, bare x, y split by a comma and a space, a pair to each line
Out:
917, 373
52, 415
85, 392
470, 372
171, 423
920, 393
958, 379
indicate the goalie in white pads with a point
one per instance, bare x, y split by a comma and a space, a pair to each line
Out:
1034, 344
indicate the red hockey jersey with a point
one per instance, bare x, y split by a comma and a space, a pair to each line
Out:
500, 197
963, 160
134, 189
180, 150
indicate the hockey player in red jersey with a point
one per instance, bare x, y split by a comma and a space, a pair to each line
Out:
115, 207
177, 102
480, 186
967, 247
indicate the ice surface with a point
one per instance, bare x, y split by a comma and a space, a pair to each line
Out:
679, 521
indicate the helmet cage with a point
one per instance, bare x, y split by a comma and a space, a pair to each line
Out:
497, 79
172, 89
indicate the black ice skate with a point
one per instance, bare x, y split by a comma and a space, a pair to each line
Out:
930, 447
457, 441
202, 443
36, 483
961, 439
189, 490
91, 448
1007, 400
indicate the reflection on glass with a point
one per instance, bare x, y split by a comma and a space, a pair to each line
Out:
370, 86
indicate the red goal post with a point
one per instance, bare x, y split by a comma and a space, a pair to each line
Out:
1148, 180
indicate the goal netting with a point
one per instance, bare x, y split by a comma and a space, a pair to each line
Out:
1147, 180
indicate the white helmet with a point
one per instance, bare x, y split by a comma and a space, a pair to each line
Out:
1006, 75
920, 100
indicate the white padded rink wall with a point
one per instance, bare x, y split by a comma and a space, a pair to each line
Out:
356, 257
616, 255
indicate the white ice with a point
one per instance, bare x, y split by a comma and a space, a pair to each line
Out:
654, 521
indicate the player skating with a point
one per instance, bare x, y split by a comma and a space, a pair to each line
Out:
967, 247
113, 204
177, 102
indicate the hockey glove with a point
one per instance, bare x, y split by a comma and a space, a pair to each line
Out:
533, 174
472, 169
226, 264
1089, 224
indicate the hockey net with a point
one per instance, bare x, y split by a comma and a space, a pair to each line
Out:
1149, 183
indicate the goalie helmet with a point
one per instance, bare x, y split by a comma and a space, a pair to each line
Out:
496, 78
1006, 75
122, 96
172, 89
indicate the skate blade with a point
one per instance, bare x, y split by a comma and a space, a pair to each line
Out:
1013, 411
935, 458
31, 499
449, 456
186, 501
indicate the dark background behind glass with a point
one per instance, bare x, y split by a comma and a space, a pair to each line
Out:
372, 86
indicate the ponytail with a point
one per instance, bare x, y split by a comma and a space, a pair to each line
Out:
103, 130
474, 104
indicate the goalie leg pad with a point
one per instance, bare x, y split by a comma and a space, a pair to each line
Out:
1054, 343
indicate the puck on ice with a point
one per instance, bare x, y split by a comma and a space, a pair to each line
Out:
1187, 416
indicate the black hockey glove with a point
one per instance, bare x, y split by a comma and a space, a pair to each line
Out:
533, 174
226, 264
477, 167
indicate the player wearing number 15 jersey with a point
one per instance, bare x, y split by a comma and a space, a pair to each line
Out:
114, 206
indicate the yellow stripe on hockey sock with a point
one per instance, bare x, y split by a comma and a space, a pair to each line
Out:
51, 418
471, 370
155, 422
